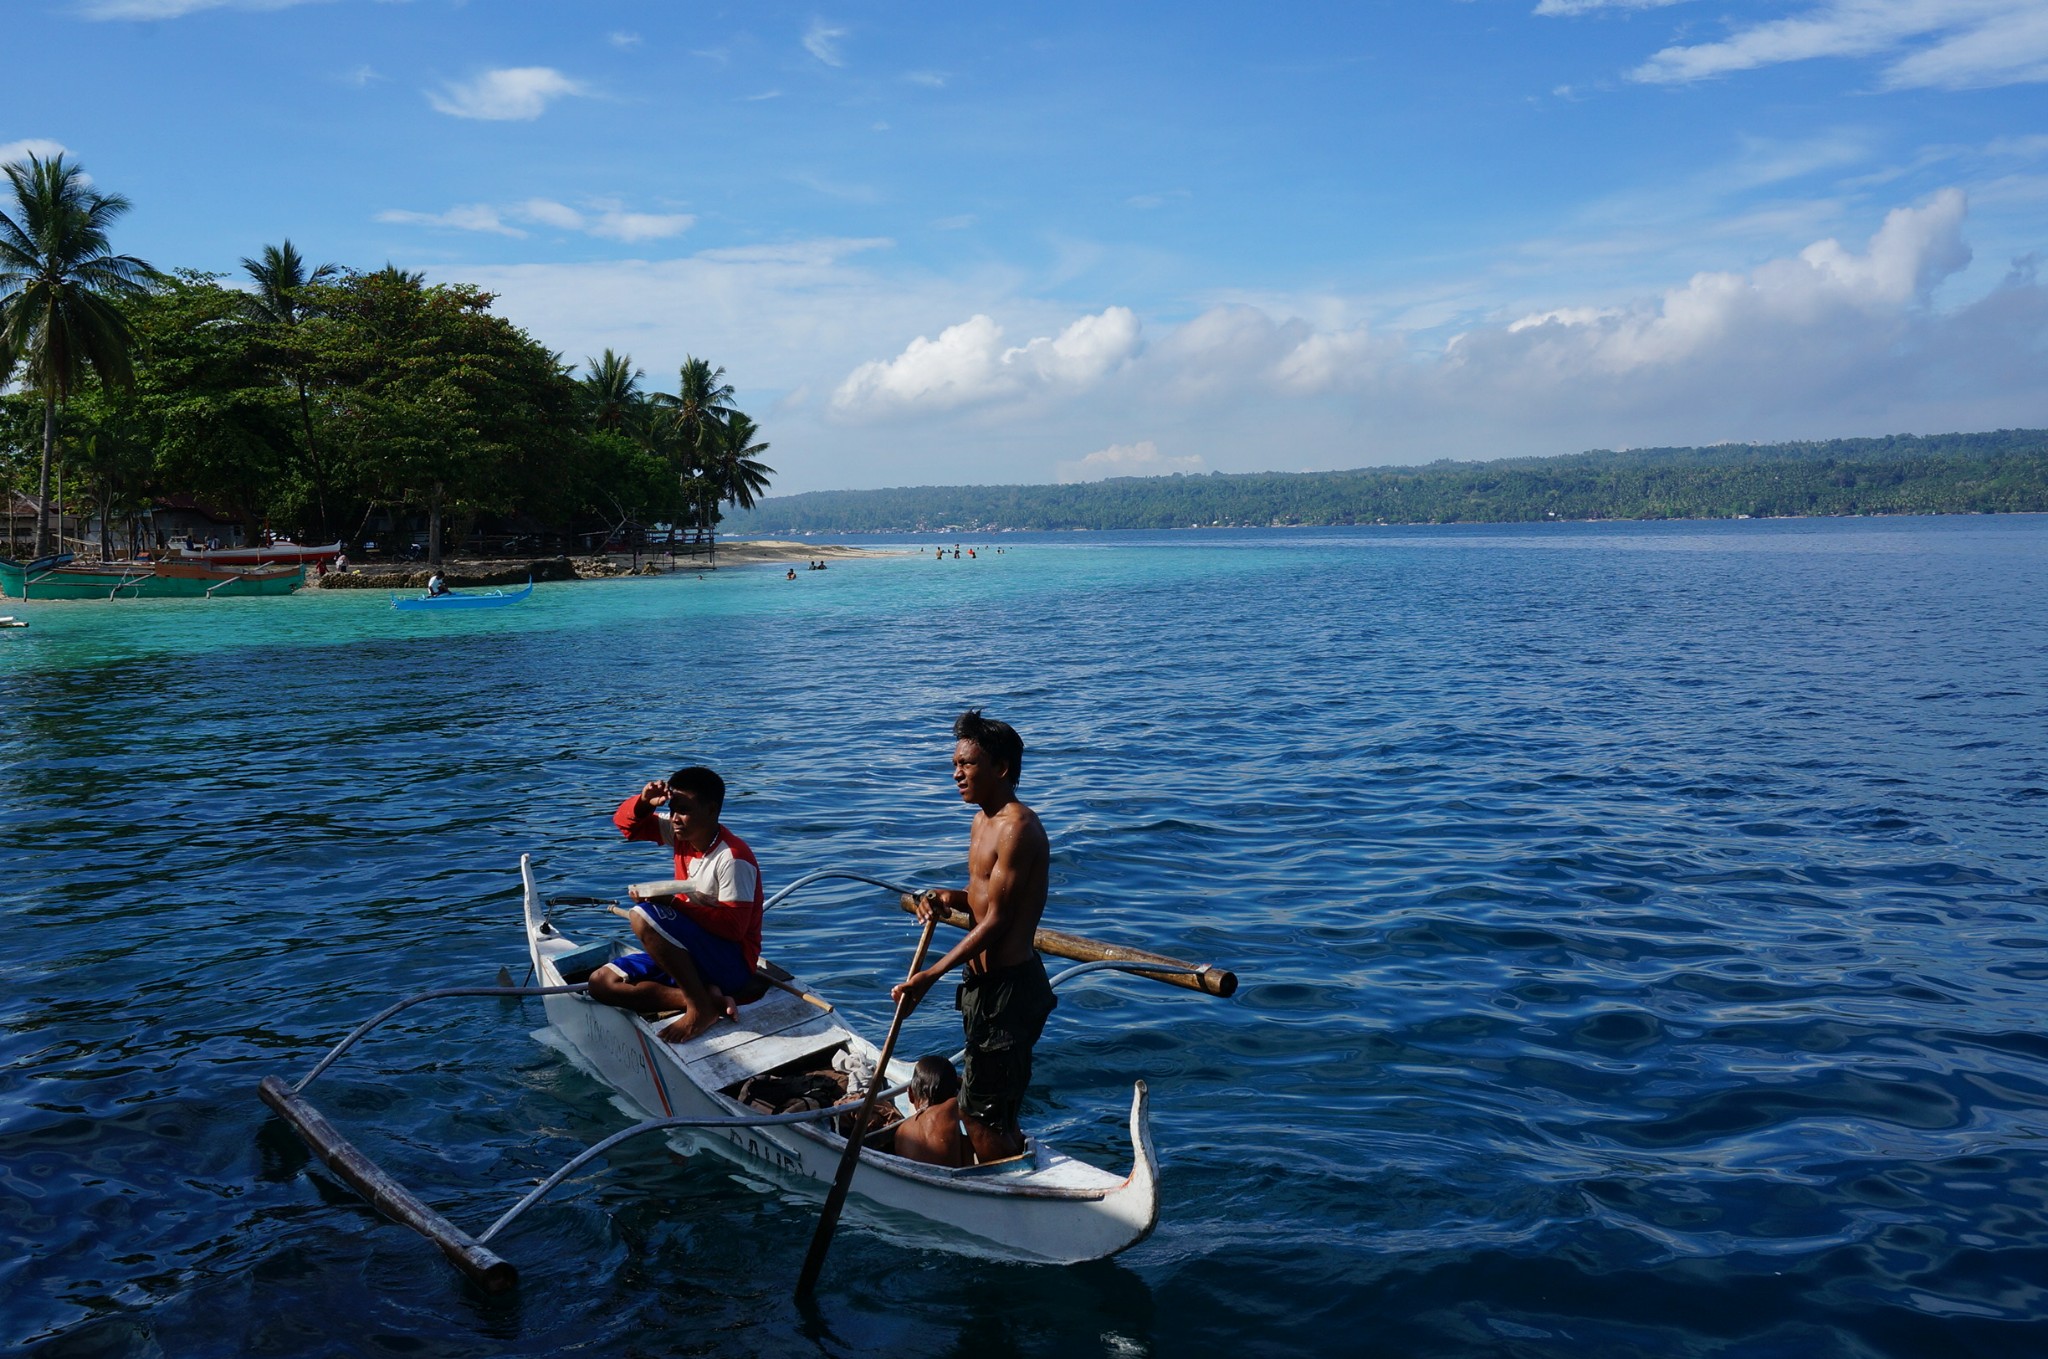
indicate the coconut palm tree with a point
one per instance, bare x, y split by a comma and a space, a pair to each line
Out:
695, 415
281, 280
59, 283
737, 471
702, 401
278, 305
611, 389
731, 472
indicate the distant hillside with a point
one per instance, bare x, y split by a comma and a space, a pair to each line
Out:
2003, 471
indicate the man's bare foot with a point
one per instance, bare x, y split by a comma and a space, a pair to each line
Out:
724, 1005
692, 1023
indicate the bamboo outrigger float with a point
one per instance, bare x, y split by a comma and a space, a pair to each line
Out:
1043, 1206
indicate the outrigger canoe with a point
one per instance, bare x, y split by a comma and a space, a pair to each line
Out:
264, 554
64, 578
457, 599
1041, 1207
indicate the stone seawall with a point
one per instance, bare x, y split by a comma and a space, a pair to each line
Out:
465, 574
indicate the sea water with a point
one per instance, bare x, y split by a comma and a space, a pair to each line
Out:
1643, 934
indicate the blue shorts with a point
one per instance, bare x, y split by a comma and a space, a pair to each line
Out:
719, 961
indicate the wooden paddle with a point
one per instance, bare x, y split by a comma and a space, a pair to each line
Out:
1204, 977
835, 1202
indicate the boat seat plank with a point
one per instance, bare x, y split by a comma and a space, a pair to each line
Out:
723, 1069
776, 1012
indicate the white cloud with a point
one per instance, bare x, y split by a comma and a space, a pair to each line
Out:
513, 94
1572, 7
1930, 44
623, 39
547, 212
821, 40
42, 148
469, 217
931, 80
173, 9
968, 364
361, 77
1824, 311
1844, 336
604, 217
1125, 460
640, 226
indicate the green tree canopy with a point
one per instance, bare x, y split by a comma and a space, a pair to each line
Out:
60, 286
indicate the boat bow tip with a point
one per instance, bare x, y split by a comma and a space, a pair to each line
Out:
1144, 1181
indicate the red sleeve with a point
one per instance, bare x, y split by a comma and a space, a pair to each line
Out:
637, 821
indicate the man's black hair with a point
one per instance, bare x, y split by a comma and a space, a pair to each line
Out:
933, 1081
998, 739
702, 784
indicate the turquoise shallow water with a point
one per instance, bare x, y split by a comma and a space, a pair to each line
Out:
1644, 936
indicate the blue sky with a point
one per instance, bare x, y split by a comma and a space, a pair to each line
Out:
936, 243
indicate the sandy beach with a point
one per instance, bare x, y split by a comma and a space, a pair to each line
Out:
471, 572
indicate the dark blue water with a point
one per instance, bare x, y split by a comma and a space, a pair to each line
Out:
1644, 936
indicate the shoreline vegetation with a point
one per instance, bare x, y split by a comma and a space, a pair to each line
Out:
324, 403
2001, 471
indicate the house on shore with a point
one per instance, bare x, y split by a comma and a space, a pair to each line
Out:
22, 509
185, 518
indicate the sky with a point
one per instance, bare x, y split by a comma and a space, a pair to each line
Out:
935, 243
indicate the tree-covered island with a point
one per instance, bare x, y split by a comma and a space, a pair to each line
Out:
2005, 471
323, 402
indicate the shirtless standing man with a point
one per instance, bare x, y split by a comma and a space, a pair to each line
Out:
1006, 998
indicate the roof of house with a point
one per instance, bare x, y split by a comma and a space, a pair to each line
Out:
21, 502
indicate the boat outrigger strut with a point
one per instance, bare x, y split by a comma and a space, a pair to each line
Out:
367, 1178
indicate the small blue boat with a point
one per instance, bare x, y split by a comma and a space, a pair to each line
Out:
457, 599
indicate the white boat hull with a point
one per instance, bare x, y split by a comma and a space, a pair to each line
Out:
270, 554
1046, 1207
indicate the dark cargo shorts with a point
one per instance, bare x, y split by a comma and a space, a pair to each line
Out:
1003, 1012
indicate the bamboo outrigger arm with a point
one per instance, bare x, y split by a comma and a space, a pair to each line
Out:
365, 1176
1204, 977
491, 1272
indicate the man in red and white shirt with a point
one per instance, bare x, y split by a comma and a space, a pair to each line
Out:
703, 933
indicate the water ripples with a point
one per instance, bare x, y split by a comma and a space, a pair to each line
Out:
1641, 933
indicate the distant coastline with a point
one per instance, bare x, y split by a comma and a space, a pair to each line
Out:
2001, 471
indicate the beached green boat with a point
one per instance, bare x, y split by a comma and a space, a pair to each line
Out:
65, 579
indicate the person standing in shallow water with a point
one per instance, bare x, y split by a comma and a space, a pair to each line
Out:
1006, 998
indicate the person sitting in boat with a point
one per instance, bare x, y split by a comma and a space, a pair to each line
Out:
934, 1134
702, 936
436, 586
1006, 997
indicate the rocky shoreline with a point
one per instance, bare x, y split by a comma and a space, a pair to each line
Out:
471, 572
